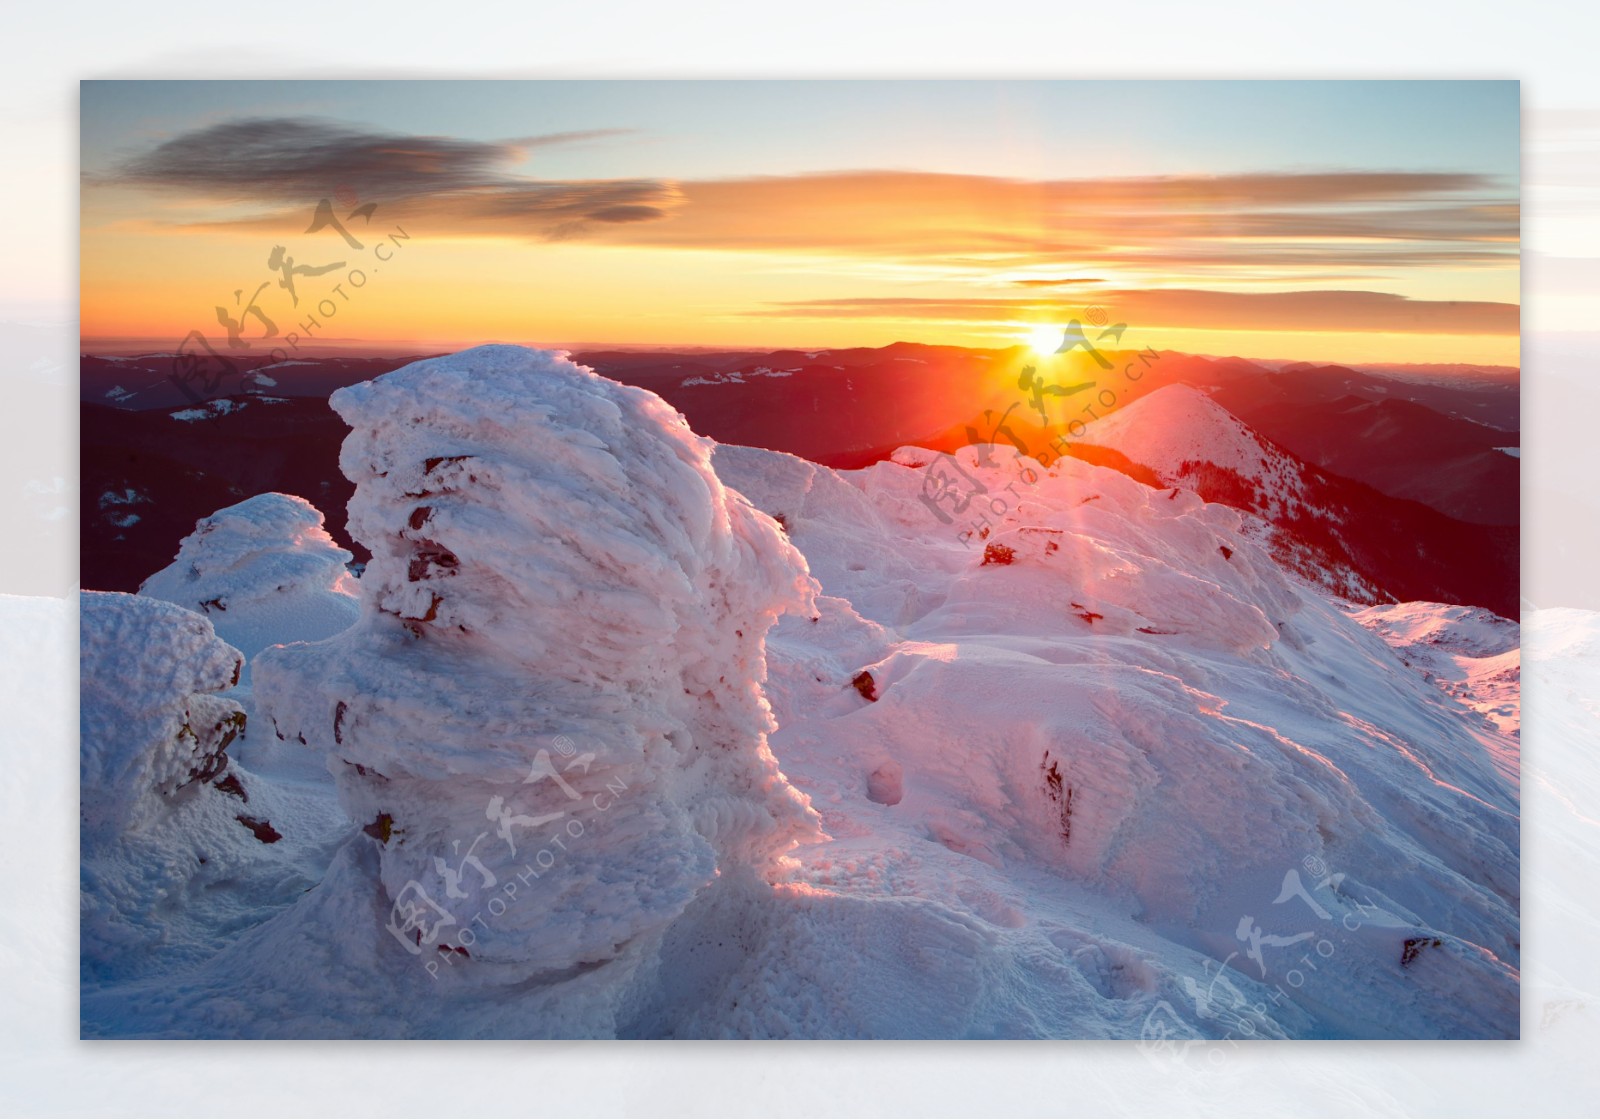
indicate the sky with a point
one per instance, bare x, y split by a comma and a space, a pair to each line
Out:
1337, 221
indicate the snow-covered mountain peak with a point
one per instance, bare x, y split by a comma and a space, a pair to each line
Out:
1178, 424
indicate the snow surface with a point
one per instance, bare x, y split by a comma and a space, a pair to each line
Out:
736, 377
126, 497
1110, 772
211, 409
264, 571
1178, 428
1472, 654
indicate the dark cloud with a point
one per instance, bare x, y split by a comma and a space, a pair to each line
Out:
296, 158
1472, 222
627, 214
460, 186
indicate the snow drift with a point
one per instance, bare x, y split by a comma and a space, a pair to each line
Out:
263, 571
565, 609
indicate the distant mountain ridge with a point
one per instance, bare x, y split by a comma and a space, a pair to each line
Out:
155, 461
1346, 536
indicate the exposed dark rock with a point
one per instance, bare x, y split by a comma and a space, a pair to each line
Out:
380, 829
1413, 949
263, 830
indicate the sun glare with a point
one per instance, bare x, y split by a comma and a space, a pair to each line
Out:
1044, 339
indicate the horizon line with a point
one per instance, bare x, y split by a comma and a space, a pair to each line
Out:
117, 346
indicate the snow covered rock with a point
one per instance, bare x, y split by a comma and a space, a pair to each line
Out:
549, 718
166, 816
1130, 778
264, 571
151, 719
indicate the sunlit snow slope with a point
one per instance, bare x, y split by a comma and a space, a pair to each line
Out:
1104, 770
1178, 424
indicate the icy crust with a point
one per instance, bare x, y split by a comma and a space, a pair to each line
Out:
263, 571
565, 610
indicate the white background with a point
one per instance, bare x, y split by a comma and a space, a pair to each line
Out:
44, 1070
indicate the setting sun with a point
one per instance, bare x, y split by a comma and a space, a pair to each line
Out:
1044, 339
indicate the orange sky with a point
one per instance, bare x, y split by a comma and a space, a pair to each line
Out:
462, 242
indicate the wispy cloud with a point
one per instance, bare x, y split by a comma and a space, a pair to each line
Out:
1058, 282
1137, 228
1190, 308
1253, 252
1369, 220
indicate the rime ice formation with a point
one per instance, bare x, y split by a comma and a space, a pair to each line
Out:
152, 722
565, 612
181, 847
154, 735
263, 571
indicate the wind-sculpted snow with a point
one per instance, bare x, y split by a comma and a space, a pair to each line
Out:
1471, 654
164, 814
1101, 768
151, 719
263, 571
552, 701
